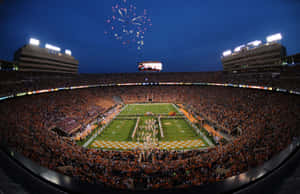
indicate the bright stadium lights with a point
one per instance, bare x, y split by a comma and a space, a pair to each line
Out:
226, 53
51, 47
34, 42
68, 52
274, 37
254, 43
239, 48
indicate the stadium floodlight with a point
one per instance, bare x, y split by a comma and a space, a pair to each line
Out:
51, 47
274, 37
238, 49
34, 42
226, 53
254, 43
68, 52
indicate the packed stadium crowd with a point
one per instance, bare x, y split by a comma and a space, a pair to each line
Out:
268, 122
14, 82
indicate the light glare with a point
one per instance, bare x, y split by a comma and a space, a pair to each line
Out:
68, 52
255, 43
238, 49
51, 47
34, 42
226, 53
274, 37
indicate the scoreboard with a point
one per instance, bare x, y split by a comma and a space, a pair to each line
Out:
150, 66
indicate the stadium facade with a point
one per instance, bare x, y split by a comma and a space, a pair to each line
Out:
264, 58
32, 58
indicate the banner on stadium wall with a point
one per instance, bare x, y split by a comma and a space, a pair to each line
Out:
128, 84
107, 85
3, 98
42, 91
218, 84
94, 86
200, 84
78, 87
151, 83
21, 94
294, 92
281, 90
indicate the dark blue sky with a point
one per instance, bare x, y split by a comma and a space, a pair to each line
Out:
187, 35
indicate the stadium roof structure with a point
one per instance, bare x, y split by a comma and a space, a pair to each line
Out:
253, 44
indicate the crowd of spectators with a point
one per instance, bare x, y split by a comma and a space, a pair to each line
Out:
14, 82
268, 121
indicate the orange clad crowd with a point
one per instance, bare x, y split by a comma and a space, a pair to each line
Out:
268, 121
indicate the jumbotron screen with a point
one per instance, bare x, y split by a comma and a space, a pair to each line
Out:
150, 66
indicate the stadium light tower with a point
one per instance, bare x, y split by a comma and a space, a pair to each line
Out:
68, 52
34, 42
51, 47
254, 43
227, 53
238, 49
274, 37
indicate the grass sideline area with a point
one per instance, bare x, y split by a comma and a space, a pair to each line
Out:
118, 130
177, 131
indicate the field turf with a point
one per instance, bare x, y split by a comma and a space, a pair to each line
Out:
118, 130
133, 109
175, 129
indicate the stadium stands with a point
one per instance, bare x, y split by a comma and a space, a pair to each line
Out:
268, 121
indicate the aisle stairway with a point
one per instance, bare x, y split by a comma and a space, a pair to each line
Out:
118, 100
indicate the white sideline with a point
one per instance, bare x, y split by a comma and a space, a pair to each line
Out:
102, 128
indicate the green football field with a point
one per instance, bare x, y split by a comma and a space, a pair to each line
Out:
120, 129
177, 129
132, 109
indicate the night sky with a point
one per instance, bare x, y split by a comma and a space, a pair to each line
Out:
186, 35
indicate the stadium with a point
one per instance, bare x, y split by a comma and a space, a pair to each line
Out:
163, 135
234, 130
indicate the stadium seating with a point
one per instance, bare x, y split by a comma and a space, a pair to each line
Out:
268, 121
